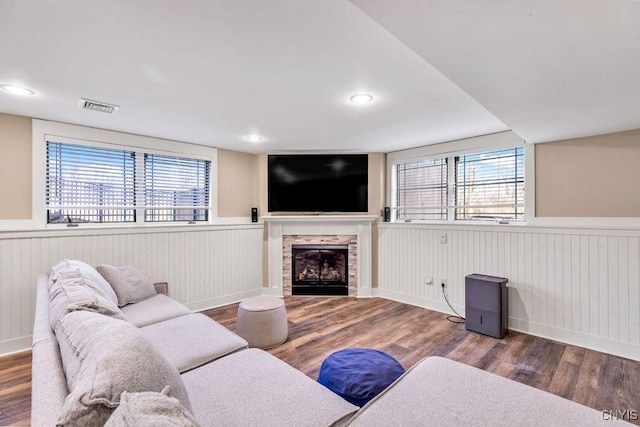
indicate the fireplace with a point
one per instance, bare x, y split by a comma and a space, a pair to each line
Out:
351, 230
320, 270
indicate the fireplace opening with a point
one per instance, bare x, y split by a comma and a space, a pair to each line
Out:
320, 270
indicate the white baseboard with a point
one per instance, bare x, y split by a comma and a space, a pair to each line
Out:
273, 291
367, 293
629, 351
430, 304
18, 345
223, 300
15, 345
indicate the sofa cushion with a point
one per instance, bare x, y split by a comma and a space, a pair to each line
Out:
253, 388
150, 409
192, 340
114, 357
153, 310
130, 284
448, 393
72, 291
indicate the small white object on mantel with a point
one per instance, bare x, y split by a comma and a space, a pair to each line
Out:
284, 225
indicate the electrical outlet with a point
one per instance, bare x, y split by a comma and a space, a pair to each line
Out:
428, 280
443, 238
443, 283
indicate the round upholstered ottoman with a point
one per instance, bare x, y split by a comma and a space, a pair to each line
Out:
359, 374
262, 321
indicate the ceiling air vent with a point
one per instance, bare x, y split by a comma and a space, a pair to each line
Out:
103, 107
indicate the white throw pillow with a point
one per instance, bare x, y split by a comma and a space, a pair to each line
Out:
114, 357
72, 291
86, 270
150, 409
89, 272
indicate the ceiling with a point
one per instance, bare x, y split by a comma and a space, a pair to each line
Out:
213, 72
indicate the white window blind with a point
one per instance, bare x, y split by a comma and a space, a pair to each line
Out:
89, 185
421, 190
176, 188
490, 185
481, 186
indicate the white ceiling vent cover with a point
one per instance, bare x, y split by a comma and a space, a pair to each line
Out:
102, 107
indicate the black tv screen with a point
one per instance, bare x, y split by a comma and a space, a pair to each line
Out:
318, 182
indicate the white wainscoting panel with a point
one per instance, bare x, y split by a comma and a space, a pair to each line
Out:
580, 286
205, 266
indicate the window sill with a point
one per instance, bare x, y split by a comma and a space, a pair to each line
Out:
612, 226
518, 223
11, 228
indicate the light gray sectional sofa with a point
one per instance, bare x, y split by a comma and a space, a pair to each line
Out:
95, 363
96, 350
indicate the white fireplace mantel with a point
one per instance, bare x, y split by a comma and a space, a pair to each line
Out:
279, 226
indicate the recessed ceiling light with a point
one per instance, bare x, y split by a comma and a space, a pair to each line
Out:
361, 98
254, 138
17, 90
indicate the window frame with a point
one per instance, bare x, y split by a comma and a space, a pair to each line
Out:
460, 206
143, 190
100, 138
80, 160
452, 150
447, 193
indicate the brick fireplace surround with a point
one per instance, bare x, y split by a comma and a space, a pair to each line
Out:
350, 240
351, 230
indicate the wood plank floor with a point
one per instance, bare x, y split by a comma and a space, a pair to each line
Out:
319, 326
15, 389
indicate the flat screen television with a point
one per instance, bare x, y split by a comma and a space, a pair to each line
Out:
318, 182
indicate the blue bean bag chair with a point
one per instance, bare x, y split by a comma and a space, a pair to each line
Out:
359, 374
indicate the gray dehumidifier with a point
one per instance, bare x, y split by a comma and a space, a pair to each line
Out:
486, 305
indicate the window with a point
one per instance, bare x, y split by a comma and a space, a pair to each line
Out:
176, 189
490, 185
481, 186
421, 190
90, 184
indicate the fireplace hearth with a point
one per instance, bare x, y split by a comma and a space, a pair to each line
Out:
320, 270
